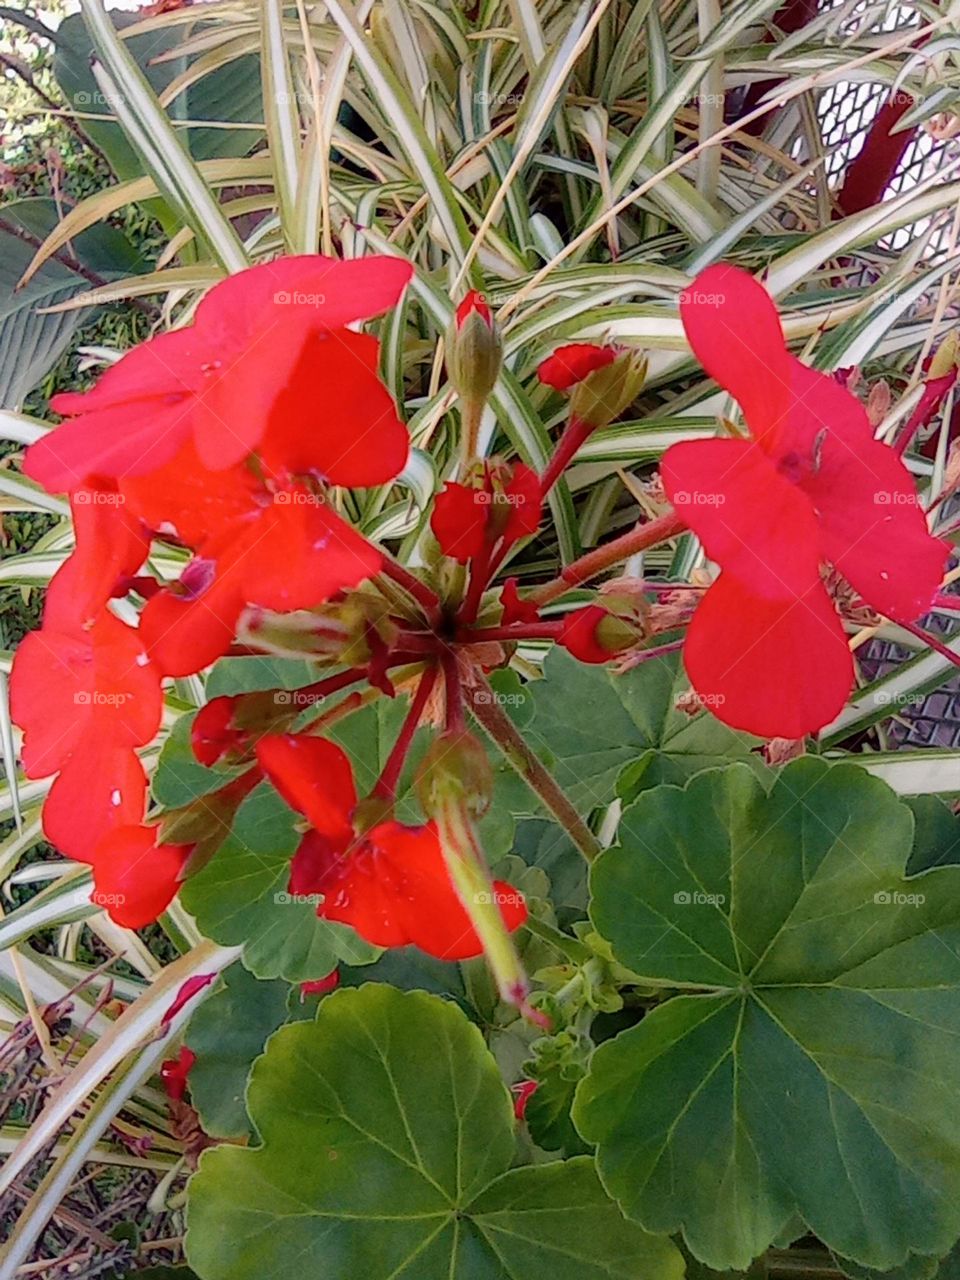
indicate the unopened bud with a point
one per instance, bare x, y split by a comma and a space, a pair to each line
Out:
474, 350
945, 357
455, 767
604, 394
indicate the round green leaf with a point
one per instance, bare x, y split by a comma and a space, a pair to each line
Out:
816, 1068
387, 1136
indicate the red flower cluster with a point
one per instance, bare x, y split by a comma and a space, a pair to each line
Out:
222, 436
766, 647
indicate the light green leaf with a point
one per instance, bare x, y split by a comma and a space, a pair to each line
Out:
387, 1137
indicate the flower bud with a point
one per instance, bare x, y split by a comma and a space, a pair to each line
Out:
456, 767
606, 392
944, 359
474, 349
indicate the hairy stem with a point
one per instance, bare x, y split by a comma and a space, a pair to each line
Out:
498, 726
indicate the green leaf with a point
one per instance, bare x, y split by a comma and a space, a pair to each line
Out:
227, 1033
387, 1137
594, 729
817, 1059
240, 897
936, 834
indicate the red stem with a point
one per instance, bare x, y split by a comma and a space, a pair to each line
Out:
937, 645
480, 573
386, 784
669, 525
514, 631
574, 435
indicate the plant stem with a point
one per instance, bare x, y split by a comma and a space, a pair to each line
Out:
454, 691
669, 525
386, 784
514, 631
574, 436
514, 746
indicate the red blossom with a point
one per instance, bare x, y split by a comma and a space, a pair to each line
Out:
812, 485
571, 364
390, 883
504, 504
516, 609
174, 1072
111, 545
265, 342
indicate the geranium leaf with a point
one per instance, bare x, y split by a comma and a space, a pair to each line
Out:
227, 1033
387, 1137
595, 729
817, 1059
241, 895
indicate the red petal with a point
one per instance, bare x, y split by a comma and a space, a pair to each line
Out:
135, 879
212, 734
72, 689
183, 634
775, 669
95, 792
514, 608
314, 776
752, 521
174, 1072
187, 990
459, 520
335, 418
112, 544
872, 526
571, 364
525, 497
733, 327
474, 301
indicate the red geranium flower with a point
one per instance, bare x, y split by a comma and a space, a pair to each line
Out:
390, 883
85, 699
268, 347
579, 634
571, 364
503, 505
812, 485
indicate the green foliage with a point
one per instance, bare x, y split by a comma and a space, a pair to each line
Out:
816, 1043
386, 1143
